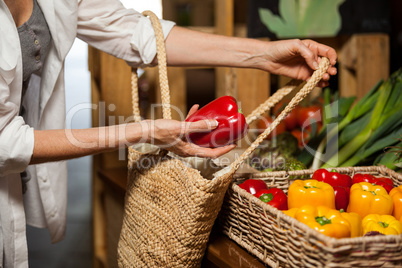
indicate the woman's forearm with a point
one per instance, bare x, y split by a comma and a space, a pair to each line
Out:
187, 47
293, 57
63, 144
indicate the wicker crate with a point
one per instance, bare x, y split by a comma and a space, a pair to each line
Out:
281, 241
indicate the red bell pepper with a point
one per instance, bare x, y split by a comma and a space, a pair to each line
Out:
342, 195
253, 185
340, 182
387, 183
275, 197
232, 123
333, 178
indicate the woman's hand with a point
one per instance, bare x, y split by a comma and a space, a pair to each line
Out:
297, 59
171, 135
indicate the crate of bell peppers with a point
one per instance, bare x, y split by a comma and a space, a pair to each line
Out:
343, 217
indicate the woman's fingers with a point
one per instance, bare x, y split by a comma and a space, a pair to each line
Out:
184, 148
210, 152
308, 54
216, 152
322, 84
322, 50
332, 70
193, 109
326, 51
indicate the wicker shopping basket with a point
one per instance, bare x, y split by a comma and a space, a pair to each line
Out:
170, 207
281, 241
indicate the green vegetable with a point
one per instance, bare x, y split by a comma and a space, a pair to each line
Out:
354, 128
292, 164
366, 151
364, 105
273, 154
287, 142
335, 110
361, 108
367, 130
392, 157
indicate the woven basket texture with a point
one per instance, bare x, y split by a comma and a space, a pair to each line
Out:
169, 213
281, 241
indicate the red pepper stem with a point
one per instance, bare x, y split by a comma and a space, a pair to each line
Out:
266, 197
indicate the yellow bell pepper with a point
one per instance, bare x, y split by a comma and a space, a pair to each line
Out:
291, 212
366, 198
310, 192
355, 221
396, 195
325, 220
385, 224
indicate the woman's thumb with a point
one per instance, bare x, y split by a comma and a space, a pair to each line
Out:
203, 125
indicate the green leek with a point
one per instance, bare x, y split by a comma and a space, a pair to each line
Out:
383, 112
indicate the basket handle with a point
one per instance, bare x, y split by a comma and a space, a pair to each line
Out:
162, 65
272, 100
306, 89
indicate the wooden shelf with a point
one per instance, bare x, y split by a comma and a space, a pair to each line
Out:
223, 252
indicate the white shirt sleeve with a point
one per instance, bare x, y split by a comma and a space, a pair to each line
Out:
124, 33
16, 138
16, 146
144, 40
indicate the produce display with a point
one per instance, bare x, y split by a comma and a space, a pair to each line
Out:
253, 186
232, 123
273, 196
366, 198
323, 219
396, 194
387, 183
318, 138
368, 132
365, 208
303, 122
341, 184
355, 221
277, 154
333, 131
282, 147
310, 192
384, 224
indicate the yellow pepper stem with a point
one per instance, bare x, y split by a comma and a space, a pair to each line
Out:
323, 220
383, 224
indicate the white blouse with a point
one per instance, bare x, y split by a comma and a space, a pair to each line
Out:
103, 24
